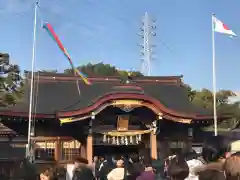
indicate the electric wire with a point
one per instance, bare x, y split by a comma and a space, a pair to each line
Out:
109, 14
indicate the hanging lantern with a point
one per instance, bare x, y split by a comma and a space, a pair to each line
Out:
117, 141
122, 140
137, 140
104, 138
131, 140
126, 140
139, 137
114, 140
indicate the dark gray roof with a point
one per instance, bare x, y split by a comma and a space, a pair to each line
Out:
53, 96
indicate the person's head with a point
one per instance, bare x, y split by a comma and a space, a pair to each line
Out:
215, 148
47, 174
108, 158
59, 172
210, 171
101, 159
120, 163
232, 167
177, 168
95, 159
211, 175
80, 161
148, 167
191, 155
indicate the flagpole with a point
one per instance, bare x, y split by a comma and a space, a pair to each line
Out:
29, 147
214, 84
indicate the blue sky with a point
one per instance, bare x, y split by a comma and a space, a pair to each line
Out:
106, 31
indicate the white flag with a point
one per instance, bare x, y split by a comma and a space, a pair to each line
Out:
219, 26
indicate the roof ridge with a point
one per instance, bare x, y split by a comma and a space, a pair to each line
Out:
28, 74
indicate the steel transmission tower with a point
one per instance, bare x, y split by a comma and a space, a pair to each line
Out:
147, 33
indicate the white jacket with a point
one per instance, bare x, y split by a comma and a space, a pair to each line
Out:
116, 174
192, 164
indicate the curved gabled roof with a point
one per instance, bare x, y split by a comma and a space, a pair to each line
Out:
58, 95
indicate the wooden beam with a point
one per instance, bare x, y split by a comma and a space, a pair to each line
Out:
51, 138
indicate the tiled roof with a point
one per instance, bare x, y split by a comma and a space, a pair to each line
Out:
52, 96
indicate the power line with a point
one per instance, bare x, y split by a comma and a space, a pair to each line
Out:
102, 8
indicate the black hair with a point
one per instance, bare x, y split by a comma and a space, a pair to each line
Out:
215, 148
211, 174
178, 168
191, 155
81, 160
147, 165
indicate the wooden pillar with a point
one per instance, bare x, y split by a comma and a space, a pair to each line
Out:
153, 145
90, 143
89, 148
83, 151
57, 155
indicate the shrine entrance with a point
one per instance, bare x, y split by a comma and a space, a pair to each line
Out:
123, 130
123, 127
104, 150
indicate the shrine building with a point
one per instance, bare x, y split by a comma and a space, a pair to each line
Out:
144, 115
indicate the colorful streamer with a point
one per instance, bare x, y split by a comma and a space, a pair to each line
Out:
51, 32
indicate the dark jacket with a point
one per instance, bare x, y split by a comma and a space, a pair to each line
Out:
96, 168
83, 173
105, 168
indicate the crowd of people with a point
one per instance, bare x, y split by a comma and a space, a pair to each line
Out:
216, 162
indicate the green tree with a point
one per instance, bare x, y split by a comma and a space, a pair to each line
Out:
191, 93
223, 96
101, 69
11, 85
203, 98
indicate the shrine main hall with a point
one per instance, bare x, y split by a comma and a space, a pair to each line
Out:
144, 115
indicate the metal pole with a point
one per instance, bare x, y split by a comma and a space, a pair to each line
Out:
214, 84
29, 148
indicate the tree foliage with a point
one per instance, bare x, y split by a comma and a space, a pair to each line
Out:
204, 99
101, 69
11, 84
